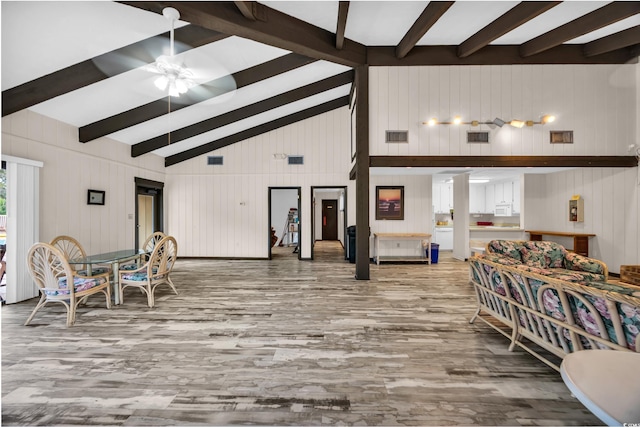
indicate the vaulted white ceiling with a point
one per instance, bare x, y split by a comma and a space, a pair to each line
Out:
40, 38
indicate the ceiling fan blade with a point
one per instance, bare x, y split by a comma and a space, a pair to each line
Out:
135, 56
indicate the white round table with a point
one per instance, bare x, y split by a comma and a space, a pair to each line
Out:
607, 382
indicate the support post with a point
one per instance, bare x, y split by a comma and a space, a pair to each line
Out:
362, 172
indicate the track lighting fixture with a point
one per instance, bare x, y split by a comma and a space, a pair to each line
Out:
457, 120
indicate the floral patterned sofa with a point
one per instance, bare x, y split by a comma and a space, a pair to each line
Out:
548, 259
551, 315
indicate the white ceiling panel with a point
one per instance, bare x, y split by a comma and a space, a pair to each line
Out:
323, 14
41, 37
242, 97
256, 120
556, 16
463, 20
381, 23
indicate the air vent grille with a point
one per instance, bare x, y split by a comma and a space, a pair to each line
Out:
478, 137
296, 160
214, 160
396, 136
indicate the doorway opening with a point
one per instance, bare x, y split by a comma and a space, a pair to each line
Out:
284, 222
329, 221
149, 212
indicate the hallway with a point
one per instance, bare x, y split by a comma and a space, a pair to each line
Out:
281, 342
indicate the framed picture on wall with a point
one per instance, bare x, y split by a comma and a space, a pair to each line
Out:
389, 203
95, 197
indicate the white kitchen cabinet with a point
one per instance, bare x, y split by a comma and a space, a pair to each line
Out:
435, 195
516, 196
477, 196
442, 197
508, 192
490, 202
447, 197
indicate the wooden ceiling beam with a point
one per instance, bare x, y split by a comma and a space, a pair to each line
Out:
277, 29
495, 55
341, 26
515, 17
428, 17
99, 68
625, 38
242, 113
160, 107
258, 130
504, 161
246, 8
606, 15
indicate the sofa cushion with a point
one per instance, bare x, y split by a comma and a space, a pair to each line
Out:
509, 248
574, 261
543, 254
500, 259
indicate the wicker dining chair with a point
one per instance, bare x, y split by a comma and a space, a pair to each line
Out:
72, 249
147, 246
152, 240
154, 272
52, 274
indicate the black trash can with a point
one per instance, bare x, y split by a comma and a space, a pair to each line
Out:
435, 251
351, 243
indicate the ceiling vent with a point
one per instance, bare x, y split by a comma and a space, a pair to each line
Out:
214, 160
478, 137
296, 160
396, 136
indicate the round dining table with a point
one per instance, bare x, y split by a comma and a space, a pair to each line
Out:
607, 382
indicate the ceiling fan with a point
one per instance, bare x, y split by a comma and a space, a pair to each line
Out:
174, 75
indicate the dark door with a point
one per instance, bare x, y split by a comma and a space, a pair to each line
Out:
329, 220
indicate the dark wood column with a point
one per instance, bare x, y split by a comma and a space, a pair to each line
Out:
362, 172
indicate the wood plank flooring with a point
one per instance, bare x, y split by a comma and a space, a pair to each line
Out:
280, 342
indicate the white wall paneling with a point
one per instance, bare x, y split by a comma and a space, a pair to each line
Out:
417, 211
70, 169
612, 210
598, 102
231, 201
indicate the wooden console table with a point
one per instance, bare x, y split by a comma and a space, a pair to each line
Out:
403, 236
580, 241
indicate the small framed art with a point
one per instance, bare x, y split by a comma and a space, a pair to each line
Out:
95, 197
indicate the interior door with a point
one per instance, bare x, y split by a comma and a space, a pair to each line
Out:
145, 216
329, 220
149, 212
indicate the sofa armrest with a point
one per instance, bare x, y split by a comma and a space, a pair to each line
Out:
577, 262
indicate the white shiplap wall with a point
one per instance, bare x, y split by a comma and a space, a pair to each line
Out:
222, 211
418, 210
70, 169
611, 210
598, 102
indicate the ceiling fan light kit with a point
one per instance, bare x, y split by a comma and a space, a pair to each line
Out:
174, 76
